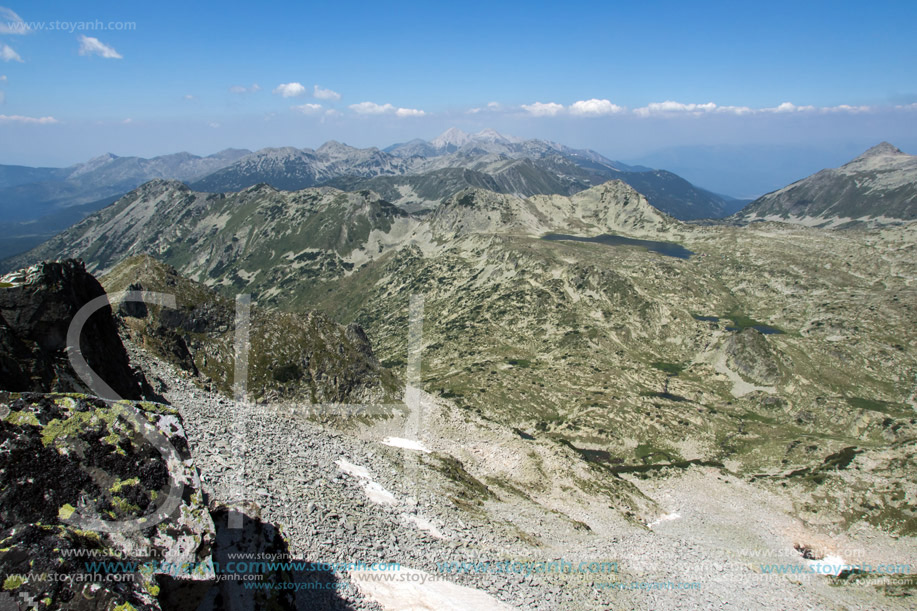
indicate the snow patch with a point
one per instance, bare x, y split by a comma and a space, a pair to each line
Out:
377, 494
374, 490
423, 524
421, 591
351, 469
666, 518
407, 444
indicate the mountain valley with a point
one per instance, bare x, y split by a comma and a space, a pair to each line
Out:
435, 384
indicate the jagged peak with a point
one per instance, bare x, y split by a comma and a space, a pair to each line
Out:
617, 186
883, 148
452, 136
261, 186
469, 195
491, 135
104, 157
163, 183
333, 145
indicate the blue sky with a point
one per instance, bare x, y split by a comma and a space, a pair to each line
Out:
623, 79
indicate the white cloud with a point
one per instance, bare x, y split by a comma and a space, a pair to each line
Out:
290, 90
595, 108
539, 109
189, 97
325, 94
2, 78
213, 124
8, 55
846, 108
21, 119
672, 108
253, 89
11, 23
371, 108
788, 107
93, 46
734, 110
307, 109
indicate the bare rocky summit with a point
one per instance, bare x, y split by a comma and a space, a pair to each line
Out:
878, 187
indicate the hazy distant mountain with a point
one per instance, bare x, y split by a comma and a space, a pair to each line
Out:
37, 203
420, 174
29, 193
13, 175
290, 169
879, 186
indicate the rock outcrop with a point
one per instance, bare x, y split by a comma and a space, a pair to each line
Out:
37, 307
306, 357
752, 357
81, 479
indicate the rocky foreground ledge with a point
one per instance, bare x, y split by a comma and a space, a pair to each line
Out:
81, 481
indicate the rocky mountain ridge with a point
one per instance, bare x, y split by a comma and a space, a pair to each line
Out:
268, 241
412, 174
878, 187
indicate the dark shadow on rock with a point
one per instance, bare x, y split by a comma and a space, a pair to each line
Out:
37, 306
264, 551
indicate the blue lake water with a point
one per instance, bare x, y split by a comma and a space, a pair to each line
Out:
669, 249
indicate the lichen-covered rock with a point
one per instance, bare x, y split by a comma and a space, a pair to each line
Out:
37, 306
72, 461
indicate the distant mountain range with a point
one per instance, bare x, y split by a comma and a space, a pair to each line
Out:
25, 191
878, 187
37, 203
420, 174
269, 240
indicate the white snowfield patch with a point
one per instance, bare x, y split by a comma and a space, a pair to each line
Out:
351, 469
407, 444
374, 491
666, 518
423, 524
413, 590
